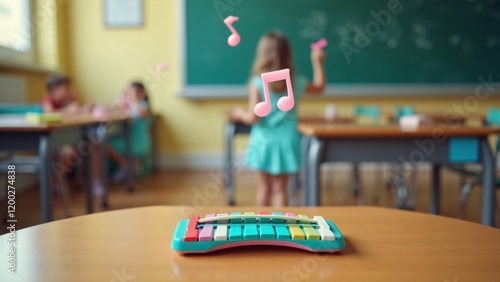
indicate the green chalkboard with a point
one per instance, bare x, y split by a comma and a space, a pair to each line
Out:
371, 42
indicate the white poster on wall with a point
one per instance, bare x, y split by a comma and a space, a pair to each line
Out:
123, 13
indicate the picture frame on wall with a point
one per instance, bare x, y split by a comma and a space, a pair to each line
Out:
123, 13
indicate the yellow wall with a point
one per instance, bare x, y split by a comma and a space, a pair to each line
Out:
103, 60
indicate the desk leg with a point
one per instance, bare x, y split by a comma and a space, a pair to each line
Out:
45, 178
313, 171
228, 162
304, 148
87, 160
435, 192
401, 191
127, 128
101, 132
488, 183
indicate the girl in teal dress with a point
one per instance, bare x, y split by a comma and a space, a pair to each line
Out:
274, 144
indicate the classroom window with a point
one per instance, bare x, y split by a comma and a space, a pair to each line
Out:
15, 37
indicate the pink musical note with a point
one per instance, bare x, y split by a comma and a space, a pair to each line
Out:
322, 43
286, 103
233, 39
161, 67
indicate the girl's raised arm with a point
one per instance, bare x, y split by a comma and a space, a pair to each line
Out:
319, 82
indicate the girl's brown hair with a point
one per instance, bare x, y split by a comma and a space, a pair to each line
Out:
273, 53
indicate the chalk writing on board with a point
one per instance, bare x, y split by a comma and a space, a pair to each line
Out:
313, 27
391, 35
420, 37
455, 40
492, 42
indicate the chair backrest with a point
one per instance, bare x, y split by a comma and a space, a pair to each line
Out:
400, 111
493, 118
372, 112
20, 108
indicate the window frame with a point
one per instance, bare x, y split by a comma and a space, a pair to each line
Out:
26, 57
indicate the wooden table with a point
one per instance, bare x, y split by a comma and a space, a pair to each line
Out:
46, 138
134, 245
392, 143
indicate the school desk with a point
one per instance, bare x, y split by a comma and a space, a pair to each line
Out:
134, 245
45, 139
438, 144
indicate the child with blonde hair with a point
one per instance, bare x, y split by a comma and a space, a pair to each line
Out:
274, 144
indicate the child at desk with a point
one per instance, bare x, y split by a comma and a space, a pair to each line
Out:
61, 99
135, 102
274, 144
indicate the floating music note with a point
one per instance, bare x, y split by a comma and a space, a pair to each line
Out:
161, 67
286, 103
322, 43
233, 39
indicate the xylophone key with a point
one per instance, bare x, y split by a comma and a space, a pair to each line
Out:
206, 233
210, 215
311, 233
235, 220
266, 232
250, 232
277, 220
321, 222
250, 219
290, 220
296, 232
264, 220
326, 235
220, 233
191, 235
282, 232
301, 216
235, 232
222, 220
193, 222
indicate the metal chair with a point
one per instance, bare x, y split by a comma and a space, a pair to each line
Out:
492, 119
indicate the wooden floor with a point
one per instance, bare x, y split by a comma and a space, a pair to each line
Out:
200, 188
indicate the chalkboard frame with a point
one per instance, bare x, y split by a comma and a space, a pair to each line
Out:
211, 91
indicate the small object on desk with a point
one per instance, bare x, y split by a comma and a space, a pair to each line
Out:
222, 231
330, 112
414, 121
322, 43
46, 117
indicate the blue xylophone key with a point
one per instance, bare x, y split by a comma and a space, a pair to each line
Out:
282, 232
277, 220
267, 232
235, 220
250, 232
235, 232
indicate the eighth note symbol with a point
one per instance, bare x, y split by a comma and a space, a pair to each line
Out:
286, 103
233, 39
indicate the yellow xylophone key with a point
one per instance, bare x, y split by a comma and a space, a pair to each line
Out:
296, 232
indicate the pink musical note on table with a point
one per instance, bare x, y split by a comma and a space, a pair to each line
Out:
286, 103
322, 43
233, 39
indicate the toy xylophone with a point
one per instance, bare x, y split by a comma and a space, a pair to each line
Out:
221, 231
